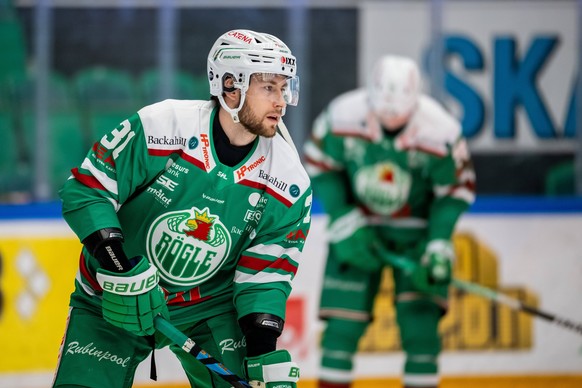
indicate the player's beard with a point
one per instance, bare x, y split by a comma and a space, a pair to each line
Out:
253, 123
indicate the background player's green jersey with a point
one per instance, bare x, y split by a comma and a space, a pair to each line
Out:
415, 180
222, 237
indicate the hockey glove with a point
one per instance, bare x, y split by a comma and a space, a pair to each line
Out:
131, 300
274, 369
435, 269
352, 241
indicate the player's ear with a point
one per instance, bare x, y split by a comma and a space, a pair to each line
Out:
230, 93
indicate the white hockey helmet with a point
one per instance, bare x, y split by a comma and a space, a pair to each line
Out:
241, 53
393, 89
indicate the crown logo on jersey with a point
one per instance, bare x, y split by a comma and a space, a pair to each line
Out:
386, 174
199, 227
188, 246
383, 187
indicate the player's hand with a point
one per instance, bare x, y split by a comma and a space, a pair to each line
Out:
352, 241
270, 370
131, 300
435, 267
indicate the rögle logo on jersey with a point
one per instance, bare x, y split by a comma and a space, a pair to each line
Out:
383, 187
188, 246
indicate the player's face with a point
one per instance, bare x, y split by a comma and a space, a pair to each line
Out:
264, 104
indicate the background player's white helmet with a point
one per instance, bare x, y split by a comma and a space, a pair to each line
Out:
393, 90
241, 53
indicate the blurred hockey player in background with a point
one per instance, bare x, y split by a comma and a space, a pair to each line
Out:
393, 173
184, 211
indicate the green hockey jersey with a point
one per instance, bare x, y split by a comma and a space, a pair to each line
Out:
221, 237
419, 179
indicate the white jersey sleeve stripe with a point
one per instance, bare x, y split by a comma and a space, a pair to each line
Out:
108, 183
261, 277
277, 251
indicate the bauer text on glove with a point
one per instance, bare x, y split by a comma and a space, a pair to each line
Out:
272, 370
131, 300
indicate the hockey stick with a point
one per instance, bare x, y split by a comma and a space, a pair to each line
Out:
474, 288
189, 346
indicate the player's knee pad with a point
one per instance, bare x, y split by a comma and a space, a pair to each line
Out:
342, 334
418, 323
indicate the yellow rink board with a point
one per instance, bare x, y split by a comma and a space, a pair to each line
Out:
451, 382
37, 279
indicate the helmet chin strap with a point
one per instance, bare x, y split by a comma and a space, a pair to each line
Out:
233, 111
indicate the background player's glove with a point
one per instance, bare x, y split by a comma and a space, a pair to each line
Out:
274, 369
131, 300
352, 240
435, 267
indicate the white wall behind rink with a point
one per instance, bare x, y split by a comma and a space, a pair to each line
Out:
541, 252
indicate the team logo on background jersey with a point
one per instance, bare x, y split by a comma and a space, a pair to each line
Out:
188, 246
383, 187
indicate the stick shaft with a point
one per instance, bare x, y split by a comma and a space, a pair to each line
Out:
516, 304
189, 346
477, 289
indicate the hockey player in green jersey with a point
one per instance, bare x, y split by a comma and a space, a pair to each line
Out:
185, 211
393, 173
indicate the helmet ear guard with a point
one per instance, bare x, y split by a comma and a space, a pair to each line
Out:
225, 78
